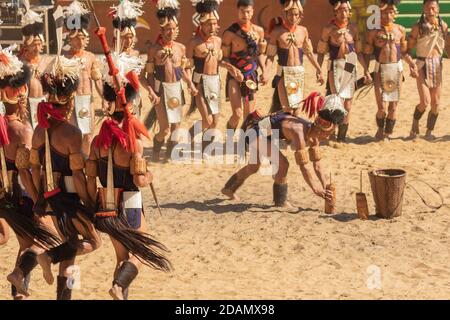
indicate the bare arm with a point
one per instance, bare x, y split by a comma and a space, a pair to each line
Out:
447, 40
308, 49
320, 173
272, 43
24, 173
140, 178
150, 81
96, 76
368, 48
359, 52
302, 159
262, 56
187, 73
226, 45
322, 47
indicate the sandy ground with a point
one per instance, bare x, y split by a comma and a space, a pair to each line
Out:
249, 250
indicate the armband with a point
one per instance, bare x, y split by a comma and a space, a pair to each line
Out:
315, 154
76, 161
301, 157
91, 168
22, 158
138, 166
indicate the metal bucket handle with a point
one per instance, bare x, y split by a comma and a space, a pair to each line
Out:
422, 198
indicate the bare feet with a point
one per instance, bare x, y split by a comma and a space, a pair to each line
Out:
46, 264
285, 205
230, 194
16, 279
413, 135
116, 292
429, 136
380, 134
19, 297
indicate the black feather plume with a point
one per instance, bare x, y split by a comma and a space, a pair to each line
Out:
33, 29
206, 6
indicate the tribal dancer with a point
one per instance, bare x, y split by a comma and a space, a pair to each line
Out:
290, 42
244, 46
301, 134
167, 64
428, 37
339, 38
30, 53
116, 159
16, 203
77, 18
389, 46
125, 16
56, 150
205, 56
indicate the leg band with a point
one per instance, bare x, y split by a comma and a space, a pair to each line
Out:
381, 122
280, 194
431, 122
342, 132
418, 114
63, 292
126, 274
234, 183
63, 252
390, 124
28, 262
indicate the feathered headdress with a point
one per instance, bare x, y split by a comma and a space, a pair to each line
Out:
125, 16
10, 65
129, 68
384, 4
77, 18
167, 10
328, 111
61, 79
291, 4
337, 3
205, 10
14, 75
32, 24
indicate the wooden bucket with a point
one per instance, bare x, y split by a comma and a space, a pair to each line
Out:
388, 187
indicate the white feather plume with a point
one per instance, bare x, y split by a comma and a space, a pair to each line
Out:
13, 66
124, 63
128, 9
167, 4
63, 67
76, 8
30, 17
